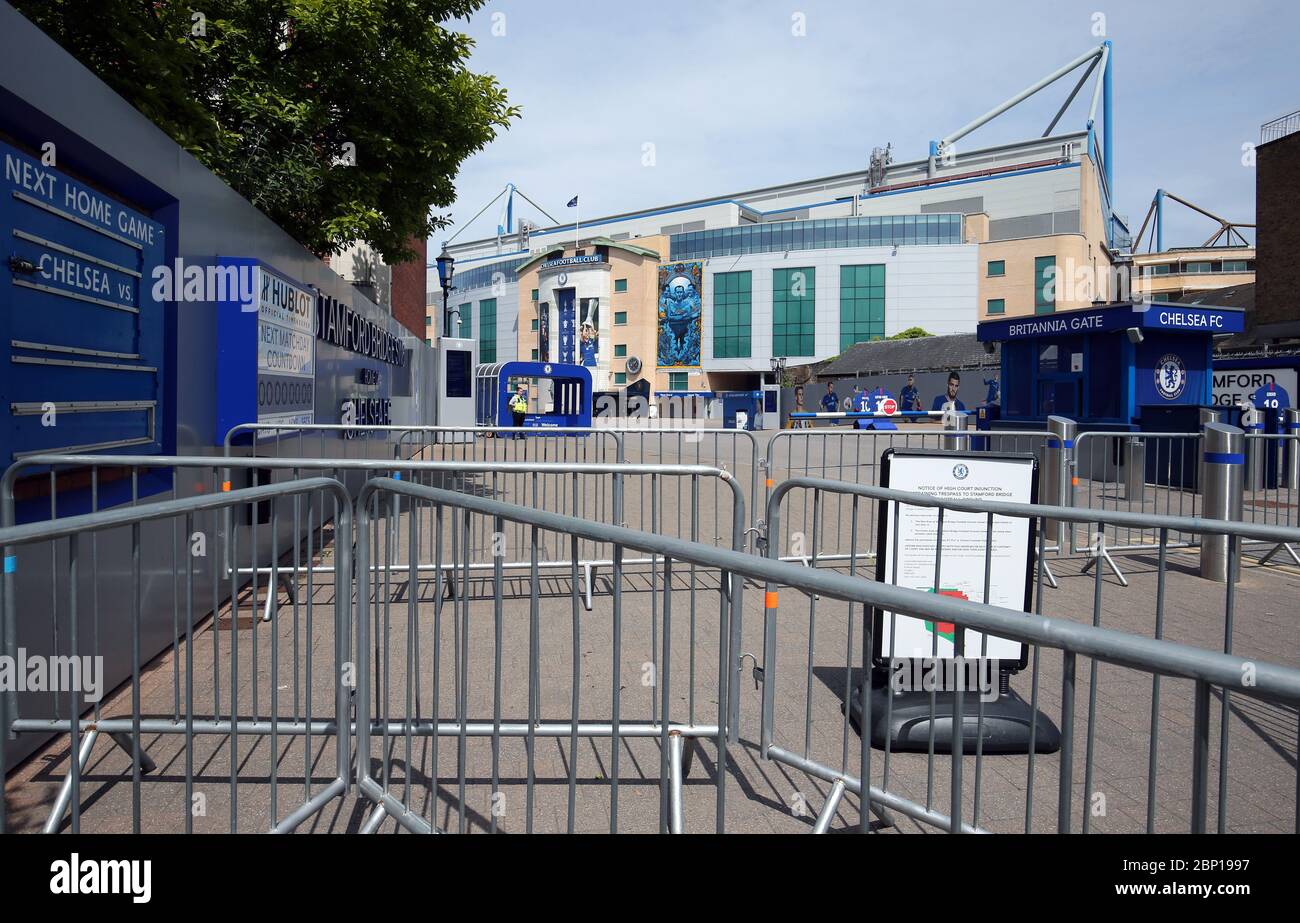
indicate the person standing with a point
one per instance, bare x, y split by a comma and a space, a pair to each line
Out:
519, 408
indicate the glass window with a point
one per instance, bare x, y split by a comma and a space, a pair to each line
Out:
487, 330
997, 306
997, 268
1044, 284
620, 285
620, 318
533, 324
466, 321
620, 350
620, 378
794, 304
862, 304
428, 321
534, 294
731, 315
534, 359
1198, 267
677, 381
1235, 266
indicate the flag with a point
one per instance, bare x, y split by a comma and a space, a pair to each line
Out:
573, 203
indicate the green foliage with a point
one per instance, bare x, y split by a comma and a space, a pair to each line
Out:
911, 333
274, 96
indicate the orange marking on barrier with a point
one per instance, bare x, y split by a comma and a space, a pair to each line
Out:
1074, 482
225, 486
769, 600
770, 482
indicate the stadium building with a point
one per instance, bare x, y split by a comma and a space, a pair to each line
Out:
701, 296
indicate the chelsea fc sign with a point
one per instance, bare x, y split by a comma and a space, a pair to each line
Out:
1171, 376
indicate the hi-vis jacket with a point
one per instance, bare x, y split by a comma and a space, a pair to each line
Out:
519, 403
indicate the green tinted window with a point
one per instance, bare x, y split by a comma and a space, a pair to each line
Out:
862, 304
1044, 284
997, 306
997, 267
620, 285
794, 305
487, 327
731, 315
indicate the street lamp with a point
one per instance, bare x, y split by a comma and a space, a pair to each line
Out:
446, 269
778, 368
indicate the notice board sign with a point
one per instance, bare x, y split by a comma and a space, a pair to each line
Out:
266, 343
910, 560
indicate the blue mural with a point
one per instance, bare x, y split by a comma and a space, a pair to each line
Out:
680, 286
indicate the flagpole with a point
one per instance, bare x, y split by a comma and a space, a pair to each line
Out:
577, 220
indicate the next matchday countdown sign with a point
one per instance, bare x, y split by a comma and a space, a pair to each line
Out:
911, 562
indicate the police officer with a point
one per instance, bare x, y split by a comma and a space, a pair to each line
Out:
519, 407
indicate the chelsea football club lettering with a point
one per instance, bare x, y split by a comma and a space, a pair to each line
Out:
338, 324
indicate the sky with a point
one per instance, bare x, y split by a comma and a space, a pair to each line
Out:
635, 105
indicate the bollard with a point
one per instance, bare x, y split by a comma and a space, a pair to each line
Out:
1208, 415
1057, 479
956, 422
1135, 468
1224, 462
1292, 443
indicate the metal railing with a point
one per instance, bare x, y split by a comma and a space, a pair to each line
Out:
855, 457
1225, 673
404, 683
194, 707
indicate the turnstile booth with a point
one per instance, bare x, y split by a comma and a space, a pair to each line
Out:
560, 395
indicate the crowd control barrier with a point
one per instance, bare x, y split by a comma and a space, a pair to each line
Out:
806, 632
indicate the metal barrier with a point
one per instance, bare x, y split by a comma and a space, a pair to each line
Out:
112, 610
854, 457
403, 684
651, 652
665, 498
817, 698
1154, 473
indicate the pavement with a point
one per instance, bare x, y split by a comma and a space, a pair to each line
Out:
435, 654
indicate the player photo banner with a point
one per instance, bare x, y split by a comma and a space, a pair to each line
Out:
680, 288
589, 332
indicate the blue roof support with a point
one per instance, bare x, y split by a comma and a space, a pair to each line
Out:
1107, 111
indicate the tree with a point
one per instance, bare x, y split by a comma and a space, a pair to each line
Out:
342, 120
911, 333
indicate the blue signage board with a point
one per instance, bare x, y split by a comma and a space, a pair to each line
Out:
83, 320
1152, 316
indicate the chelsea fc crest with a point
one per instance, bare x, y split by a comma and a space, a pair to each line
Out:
1171, 376
960, 471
